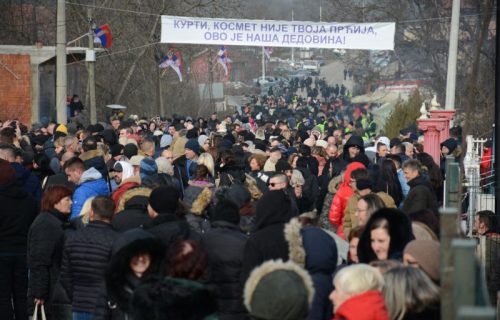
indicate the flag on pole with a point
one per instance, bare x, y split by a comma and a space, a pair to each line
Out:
102, 35
268, 52
223, 60
173, 60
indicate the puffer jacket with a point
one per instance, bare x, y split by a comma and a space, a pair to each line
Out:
86, 255
316, 251
45, 240
91, 184
225, 244
197, 199
339, 203
125, 185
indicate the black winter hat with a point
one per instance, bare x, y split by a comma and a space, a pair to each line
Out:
282, 166
362, 184
164, 199
226, 210
130, 150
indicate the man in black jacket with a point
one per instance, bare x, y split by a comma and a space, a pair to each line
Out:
18, 211
86, 255
268, 241
225, 245
421, 195
167, 219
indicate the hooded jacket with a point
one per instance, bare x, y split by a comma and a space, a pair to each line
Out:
268, 241
169, 228
95, 159
114, 301
197, 198
133, 210
316, 251
369, 305
91, 185
421, 196
339, 203
128, 181
361, 157
400, 233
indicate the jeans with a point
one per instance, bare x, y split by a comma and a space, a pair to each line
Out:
83, 315
13, 286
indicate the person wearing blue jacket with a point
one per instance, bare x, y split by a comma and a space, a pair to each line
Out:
90, 183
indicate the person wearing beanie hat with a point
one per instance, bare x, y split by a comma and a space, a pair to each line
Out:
130, 150
185, 166
147, 167
274, 210
166, 141
224, 244
62, 129
193, 145
278, 290
204, 142
167, 216
424, 254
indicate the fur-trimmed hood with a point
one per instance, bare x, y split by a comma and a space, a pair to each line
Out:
311, 247
198, 196
278, 290
87, 155
130, 193
400, 232
120, 280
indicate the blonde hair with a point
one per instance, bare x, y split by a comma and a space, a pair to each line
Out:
85, 212
358, 278
408, 289
206, 159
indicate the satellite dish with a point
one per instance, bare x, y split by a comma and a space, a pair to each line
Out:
116, 106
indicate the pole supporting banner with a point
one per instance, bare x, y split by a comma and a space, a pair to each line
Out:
328, 35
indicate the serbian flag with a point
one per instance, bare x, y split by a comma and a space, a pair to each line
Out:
102, 35
268, 52
173, 60
223, 60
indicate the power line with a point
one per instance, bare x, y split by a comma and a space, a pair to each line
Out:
128, 50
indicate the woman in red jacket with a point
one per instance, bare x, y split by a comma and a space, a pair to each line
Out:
357, 294
336, 213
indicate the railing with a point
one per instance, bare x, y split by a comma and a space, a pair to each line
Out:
464, 263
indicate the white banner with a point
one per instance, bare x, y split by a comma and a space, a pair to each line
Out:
365, 36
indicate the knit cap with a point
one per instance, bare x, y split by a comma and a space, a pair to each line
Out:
426, 253
193, 145
148, 167
164, 199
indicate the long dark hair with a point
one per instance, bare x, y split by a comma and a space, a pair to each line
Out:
388, 181
432, 170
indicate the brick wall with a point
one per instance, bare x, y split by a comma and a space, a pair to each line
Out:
15, 95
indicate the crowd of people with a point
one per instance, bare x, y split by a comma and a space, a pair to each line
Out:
244, 217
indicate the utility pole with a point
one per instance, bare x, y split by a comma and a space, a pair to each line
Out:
263, 64
293, 49
452, 56
91, 66
61, 76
